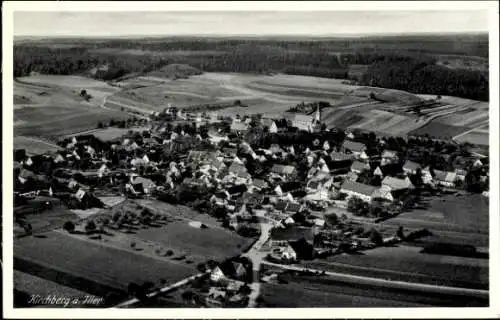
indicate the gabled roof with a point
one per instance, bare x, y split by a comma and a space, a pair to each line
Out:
237, 168
389, 154
293, 207
282, 169
239, 126
410, 165
397, 184
290, 186
353, 146
360, 166
444, 176
340, 156
303, 118
259, 183
358, 188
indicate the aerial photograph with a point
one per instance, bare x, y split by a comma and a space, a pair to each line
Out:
235, 159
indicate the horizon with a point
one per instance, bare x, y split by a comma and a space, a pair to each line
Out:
342, 24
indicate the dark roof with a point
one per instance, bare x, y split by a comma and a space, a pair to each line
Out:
282, 169
360, 166
293, 207
410, 165
290, 186
353, 146
358, 187
240, 188
292, 234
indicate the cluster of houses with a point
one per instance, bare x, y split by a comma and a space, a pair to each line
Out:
135, 167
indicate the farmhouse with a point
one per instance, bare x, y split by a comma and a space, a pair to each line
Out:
444, 178
395, 184
388, 157
239, 127
358, 167
283, 170
356, 148
360, 190
411, 167
270, 124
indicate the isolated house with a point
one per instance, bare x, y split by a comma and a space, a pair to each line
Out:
217, 275
147, 184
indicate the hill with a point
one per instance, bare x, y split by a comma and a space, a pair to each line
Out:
175, 71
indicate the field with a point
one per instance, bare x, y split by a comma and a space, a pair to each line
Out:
322, 291
56, 108
34, 146
438, 130
29, 285
406, 263
59, 256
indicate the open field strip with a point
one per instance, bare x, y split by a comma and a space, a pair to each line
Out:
96, 262
34, 146
392, 284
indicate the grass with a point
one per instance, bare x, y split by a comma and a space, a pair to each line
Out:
314, 291
438, 130
475, 137
34, 146
59, 253
407, 264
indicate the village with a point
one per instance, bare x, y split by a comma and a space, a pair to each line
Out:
307, 187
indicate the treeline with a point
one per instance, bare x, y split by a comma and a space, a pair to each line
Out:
418, 75
78, 60
411, 71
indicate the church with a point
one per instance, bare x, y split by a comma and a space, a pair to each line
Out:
309, 123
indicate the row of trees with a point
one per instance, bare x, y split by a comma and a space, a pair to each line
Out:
419, 74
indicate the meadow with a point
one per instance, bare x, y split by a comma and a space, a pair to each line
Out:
115, 268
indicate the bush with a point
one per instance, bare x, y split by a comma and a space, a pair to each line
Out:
69, 226
90, 226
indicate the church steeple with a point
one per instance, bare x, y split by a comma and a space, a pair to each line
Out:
317, 116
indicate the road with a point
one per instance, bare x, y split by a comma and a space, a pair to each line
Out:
257, 257
390, 283
162, 290
471, 130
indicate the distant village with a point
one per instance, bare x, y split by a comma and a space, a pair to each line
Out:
309, 181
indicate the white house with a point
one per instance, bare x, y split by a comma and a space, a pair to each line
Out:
356, 189
444, 178
388, 157
396, 184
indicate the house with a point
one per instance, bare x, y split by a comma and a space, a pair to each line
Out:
237, 169
283, 170
304, 122
276, 149
461, 174
445, 178
293, 208
147, 185
356, 189
352, 176
81, 195
427, 175
388, 157
477, 163
259, 184
356, 148
288, 187
215, 297
411, 167
283, 253
358, 167
384, 193
340, 156
396, 184
239, 127
270, 124
378, 172
216, 275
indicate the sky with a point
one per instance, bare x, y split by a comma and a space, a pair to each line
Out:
305, 23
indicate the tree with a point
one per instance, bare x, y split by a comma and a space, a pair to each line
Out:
201, 267
188, 295
69, 226
90, 226
133, 245
332, 219
400, 233
375, 237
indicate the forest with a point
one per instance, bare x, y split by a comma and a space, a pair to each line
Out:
409, 64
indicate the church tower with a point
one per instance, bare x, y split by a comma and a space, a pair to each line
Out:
317, 116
